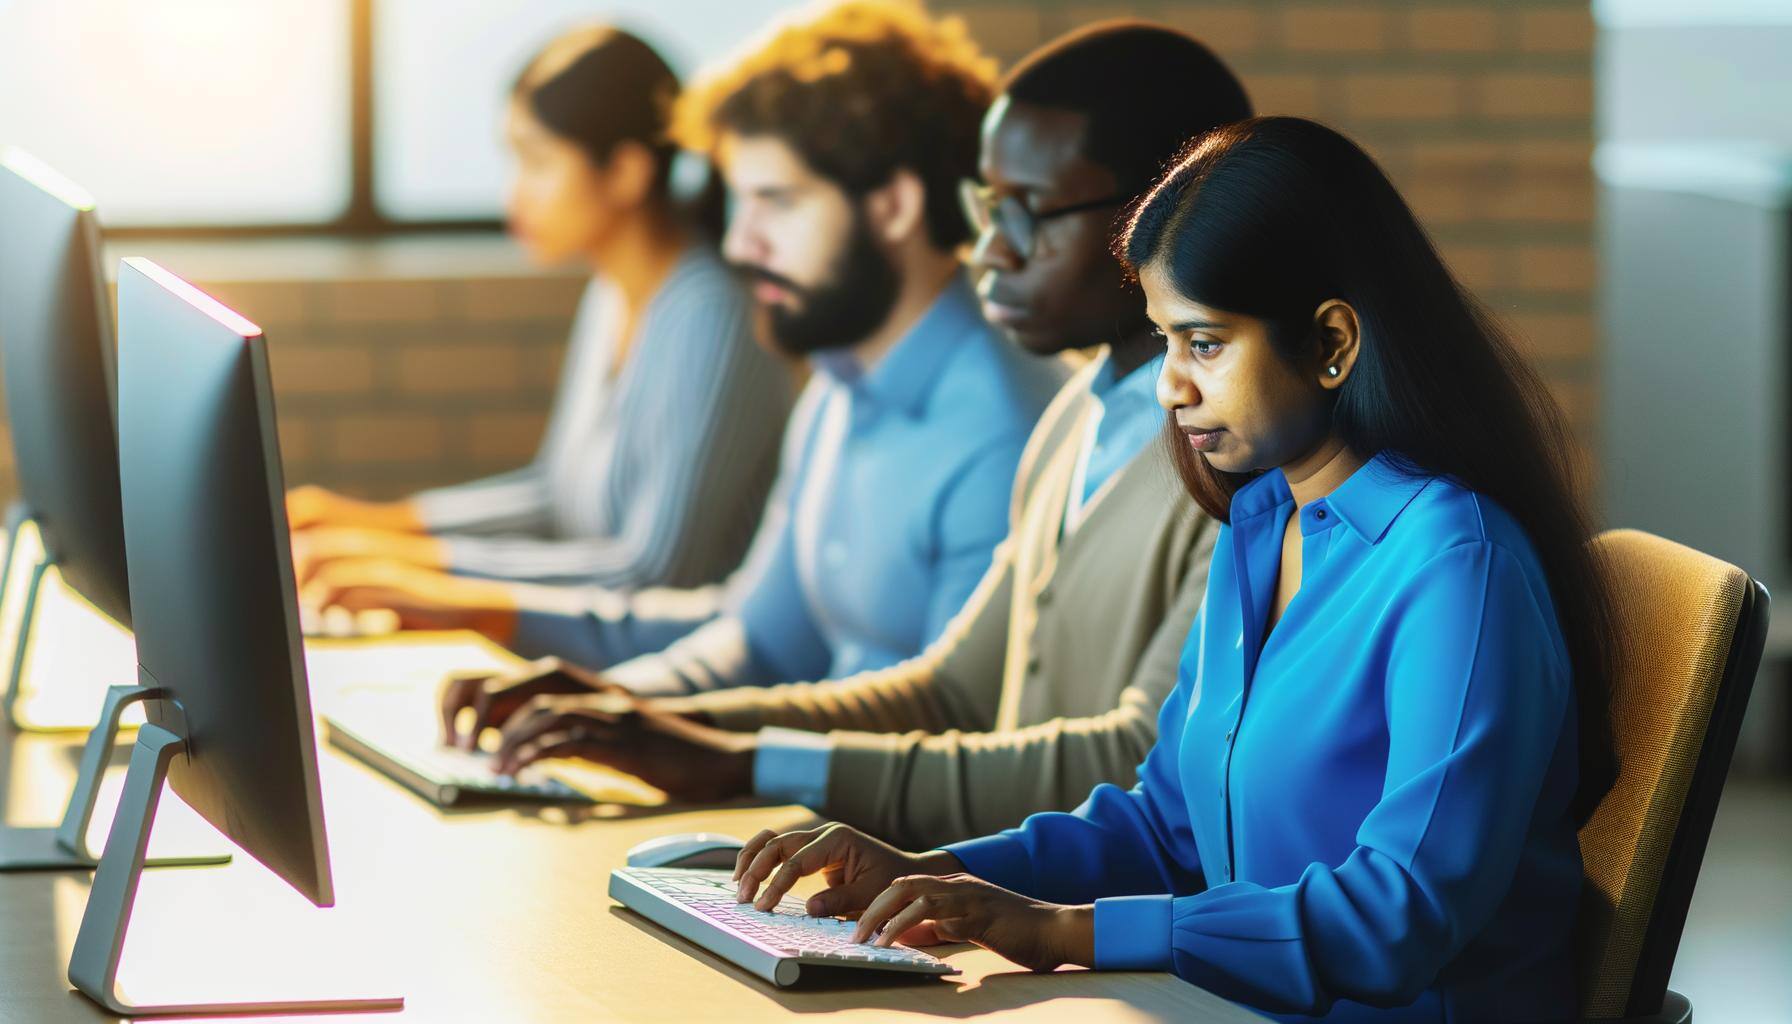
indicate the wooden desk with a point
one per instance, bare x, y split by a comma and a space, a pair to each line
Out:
492, 915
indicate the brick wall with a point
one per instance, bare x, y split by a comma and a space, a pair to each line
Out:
385, 386
1482, 112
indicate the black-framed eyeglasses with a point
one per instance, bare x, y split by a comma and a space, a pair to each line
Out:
985, 208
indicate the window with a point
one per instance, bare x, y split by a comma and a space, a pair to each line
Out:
199, 112
221, 115
443, 69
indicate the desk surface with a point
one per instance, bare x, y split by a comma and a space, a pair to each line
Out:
495, 915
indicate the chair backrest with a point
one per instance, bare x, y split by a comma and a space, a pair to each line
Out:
1692, 629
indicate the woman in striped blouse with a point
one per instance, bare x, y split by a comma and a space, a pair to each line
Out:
664, 434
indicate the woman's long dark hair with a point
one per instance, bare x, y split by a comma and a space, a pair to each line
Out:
600, 86
1273, 216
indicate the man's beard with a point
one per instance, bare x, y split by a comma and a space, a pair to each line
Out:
841, 311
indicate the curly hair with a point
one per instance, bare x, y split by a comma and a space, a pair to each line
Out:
860, 91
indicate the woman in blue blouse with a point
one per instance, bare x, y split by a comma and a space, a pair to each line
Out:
1390, 719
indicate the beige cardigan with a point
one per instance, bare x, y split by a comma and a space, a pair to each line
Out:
1045, 684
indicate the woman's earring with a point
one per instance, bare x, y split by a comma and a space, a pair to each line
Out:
1331, 371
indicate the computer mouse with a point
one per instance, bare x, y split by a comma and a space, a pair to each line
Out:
686, 850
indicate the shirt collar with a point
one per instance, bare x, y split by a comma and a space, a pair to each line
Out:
1375, 495
1368, 502
1136, 388
904, 377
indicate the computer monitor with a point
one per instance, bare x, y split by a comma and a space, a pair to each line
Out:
56, 329
221, 673
56, 345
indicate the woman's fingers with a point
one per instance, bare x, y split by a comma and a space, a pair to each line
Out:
751, 850
825, 849
891, 902
774, 853
925, 907
844, 897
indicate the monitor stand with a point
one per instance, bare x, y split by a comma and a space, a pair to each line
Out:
18, 517
99, 944
65, 846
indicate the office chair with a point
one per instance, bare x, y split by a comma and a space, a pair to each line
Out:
1692, 629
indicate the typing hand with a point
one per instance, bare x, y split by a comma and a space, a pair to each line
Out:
420, 598
923, 909
685, 758
310, 506
856, 866
317, 548
493, 699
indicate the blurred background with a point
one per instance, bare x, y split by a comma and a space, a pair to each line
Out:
1613, 178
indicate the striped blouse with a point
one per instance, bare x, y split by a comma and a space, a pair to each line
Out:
653, 477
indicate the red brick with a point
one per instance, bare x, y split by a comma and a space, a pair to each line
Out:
1453, 30
459, 369
1440, 202
1555, 336
1284, 94
1006, 31
298, 439
1557, 268
321, 369
1538, 199
1334, 29
511, 437
1536, 95
271, 304
541, 368
380, 302
387, 437
1565, 30
495, 299
1481, 267
1578, 399
1562, 155
1459, 158
1402, 97
1230, 32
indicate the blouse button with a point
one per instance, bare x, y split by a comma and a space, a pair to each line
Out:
1319, 514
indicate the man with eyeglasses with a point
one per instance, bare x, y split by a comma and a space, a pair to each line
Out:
1049, 680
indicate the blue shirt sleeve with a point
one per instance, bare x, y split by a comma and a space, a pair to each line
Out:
792, 765
1477, 698
600, 638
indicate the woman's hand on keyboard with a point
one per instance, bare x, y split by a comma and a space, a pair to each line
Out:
420, 598
856, 866
923, 910
494, 699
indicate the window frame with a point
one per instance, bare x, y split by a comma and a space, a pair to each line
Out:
362, 216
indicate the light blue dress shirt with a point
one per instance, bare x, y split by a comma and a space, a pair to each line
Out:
898, 495
1366, 815
791, 764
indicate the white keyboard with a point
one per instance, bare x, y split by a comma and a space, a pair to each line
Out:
439, 774
699, 905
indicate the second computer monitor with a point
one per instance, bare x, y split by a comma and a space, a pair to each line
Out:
211, 571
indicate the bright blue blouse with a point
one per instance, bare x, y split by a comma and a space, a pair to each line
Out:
1366, 815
